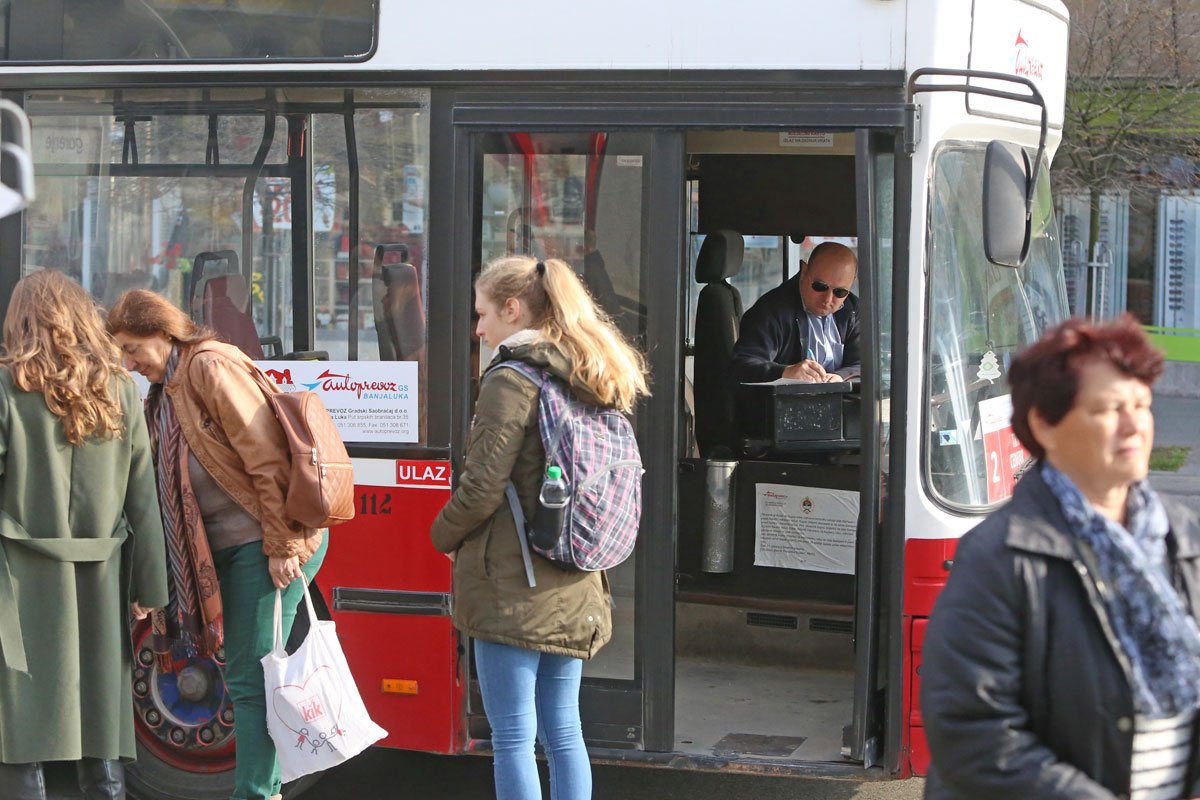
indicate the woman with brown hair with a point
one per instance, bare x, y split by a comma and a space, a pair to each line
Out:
222, 462
1063, 658
81, 542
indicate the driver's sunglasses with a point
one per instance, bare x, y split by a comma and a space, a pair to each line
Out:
820, 287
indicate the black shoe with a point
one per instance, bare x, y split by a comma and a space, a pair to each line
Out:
101, 779
22, 782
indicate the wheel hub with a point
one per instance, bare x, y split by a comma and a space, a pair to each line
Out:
193, 684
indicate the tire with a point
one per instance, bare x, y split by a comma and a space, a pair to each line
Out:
150, 778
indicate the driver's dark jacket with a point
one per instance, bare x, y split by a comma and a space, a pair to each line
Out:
1022, 692
774, 335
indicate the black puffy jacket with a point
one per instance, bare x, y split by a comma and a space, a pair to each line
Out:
1022, 693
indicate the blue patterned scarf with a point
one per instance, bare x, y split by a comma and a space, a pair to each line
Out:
1160, 638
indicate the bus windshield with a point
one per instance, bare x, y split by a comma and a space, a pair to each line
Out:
980, 315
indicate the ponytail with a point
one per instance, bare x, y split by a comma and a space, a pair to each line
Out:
565, 314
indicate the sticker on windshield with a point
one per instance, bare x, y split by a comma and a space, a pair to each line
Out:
948, 438
989, 367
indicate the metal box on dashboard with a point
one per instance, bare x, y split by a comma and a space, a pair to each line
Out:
791, 415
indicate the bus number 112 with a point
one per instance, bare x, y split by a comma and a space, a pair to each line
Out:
371, 503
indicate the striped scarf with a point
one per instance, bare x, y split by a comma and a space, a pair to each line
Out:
191, 624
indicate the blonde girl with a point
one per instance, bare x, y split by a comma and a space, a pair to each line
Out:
530, 642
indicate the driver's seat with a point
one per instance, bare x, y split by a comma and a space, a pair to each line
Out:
718, 314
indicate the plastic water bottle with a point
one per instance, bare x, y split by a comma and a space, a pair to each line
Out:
552, 507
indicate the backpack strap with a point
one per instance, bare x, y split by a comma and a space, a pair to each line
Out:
514, 504
528, 370
555, 426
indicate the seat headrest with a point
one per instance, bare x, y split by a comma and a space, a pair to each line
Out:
720, 256
231, 285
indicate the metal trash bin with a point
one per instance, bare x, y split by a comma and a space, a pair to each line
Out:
716, 544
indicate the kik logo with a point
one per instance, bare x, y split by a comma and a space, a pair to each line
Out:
310, 708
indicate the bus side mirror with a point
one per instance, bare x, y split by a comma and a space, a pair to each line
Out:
1006, 219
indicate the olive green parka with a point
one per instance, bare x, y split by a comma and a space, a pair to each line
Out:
567, 613
80, 538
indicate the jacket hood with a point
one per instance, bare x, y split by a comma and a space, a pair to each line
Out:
548, 356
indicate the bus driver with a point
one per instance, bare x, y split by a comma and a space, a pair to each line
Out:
806, 328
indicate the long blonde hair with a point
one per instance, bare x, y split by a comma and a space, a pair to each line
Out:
561, 309
55, 343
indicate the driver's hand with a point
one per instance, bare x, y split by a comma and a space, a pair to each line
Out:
808, 370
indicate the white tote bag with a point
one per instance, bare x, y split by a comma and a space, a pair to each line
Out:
315, 714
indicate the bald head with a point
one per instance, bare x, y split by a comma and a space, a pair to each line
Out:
830, 269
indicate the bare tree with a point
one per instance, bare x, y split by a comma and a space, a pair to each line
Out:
1133, 97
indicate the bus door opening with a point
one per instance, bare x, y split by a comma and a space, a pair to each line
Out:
769, 474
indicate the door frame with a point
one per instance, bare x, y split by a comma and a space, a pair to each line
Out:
637, 713
666, 119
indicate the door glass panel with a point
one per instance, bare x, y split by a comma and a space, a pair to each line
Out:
578, 197
884, 224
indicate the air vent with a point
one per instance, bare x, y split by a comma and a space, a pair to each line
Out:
780, 621
822, 625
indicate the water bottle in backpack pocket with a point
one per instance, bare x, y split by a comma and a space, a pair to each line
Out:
551, 510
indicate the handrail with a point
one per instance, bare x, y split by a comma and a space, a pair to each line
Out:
21, 193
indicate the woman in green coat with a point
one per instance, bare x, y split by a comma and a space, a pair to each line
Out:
81, 542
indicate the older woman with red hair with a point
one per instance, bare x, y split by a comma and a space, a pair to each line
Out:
1063, 658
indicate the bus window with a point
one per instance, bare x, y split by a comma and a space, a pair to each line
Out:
153, 30
980, 315
194, 194
393, 158
120, 211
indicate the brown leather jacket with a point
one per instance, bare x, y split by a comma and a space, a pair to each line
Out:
234, 434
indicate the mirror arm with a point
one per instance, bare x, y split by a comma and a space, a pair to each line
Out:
1034, 97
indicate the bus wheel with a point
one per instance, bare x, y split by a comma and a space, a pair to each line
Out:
184, 725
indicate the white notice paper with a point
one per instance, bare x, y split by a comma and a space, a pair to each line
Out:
802, 527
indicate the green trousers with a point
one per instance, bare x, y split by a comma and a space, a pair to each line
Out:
248, 602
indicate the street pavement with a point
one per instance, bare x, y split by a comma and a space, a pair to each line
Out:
385, 774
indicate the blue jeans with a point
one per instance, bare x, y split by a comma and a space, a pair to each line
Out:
526, 693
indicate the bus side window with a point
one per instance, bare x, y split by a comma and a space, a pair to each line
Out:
399, 308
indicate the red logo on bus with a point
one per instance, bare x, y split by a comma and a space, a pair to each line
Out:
1025, 63
281, 378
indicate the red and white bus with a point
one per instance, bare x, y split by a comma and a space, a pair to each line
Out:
322, 180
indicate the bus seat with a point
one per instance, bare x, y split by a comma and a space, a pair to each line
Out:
225, 307
718, 313
399, 308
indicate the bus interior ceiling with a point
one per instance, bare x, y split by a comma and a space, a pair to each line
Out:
764, 654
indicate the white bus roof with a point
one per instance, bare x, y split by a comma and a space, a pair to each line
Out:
680, 36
